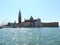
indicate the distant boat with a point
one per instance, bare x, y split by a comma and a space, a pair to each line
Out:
0, 27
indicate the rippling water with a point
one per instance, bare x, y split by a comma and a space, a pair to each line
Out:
30, 36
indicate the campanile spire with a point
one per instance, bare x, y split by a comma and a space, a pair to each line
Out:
19, 17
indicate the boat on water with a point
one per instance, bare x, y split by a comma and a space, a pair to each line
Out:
0, 27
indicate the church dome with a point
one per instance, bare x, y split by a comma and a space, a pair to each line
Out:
31, 18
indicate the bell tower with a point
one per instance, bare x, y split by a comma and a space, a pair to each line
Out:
19, 17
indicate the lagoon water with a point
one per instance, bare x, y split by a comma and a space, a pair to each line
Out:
30, 36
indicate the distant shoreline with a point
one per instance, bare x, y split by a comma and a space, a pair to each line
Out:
34, 27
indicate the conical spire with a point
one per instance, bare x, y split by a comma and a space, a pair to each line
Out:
19, 12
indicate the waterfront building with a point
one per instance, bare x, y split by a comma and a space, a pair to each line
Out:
33, 22
50, 24
38, 23
29, 23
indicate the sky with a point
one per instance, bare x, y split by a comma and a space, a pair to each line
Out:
46, 10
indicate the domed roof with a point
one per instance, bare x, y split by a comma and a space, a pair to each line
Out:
31, 18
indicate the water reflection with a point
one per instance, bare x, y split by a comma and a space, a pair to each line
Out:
30, 36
